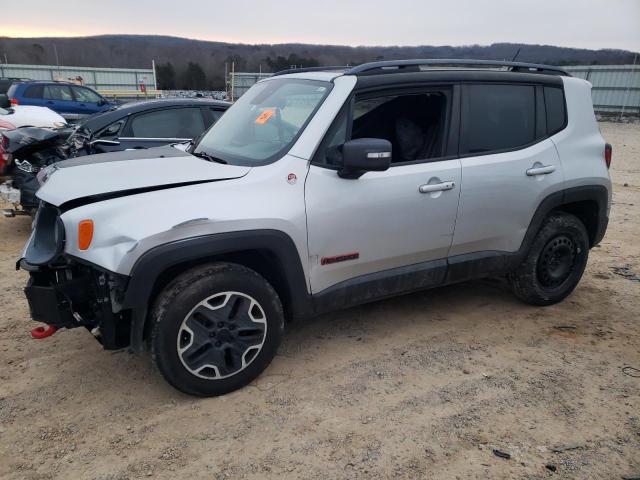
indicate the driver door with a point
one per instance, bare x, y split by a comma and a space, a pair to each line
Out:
386, 225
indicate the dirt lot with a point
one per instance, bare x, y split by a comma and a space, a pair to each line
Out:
423, 386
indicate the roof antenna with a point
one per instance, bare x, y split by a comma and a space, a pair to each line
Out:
516, 55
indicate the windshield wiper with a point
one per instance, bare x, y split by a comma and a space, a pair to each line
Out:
206, 156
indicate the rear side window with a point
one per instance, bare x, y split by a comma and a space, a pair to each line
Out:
171, 123
34, 91
556, 112
57, 92
497, 117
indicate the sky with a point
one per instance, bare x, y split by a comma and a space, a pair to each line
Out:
571, 23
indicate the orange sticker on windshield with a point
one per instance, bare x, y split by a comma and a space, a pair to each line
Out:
264, 117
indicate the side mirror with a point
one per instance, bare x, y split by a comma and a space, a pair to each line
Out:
364, 155
101, 102
4, 101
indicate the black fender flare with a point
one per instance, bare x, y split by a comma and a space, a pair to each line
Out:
157, 260
596, 193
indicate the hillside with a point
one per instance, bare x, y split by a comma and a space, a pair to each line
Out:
185, 63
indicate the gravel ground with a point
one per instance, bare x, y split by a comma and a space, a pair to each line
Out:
427, 385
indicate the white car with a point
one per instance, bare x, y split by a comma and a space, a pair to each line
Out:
29, 116
320, 190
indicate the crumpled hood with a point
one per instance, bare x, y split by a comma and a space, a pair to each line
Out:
109, 175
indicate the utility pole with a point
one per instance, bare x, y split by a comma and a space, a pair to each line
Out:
55, 51
226, 79
155, 80
233, 80
626, 95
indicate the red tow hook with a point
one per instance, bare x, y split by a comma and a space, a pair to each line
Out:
40, 333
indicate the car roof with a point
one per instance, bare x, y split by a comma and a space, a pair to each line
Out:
56, 82
102, 119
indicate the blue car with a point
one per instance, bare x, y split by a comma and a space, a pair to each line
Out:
68, 99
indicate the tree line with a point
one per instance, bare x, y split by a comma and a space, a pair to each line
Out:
200, 65
193, 77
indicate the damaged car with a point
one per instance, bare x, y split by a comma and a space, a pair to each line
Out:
319, 190
136, 125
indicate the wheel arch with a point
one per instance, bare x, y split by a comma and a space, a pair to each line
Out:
589, 203
271, 253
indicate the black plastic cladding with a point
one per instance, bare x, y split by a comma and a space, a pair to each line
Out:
454, 76
48, 240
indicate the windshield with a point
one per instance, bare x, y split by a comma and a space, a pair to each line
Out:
263, 124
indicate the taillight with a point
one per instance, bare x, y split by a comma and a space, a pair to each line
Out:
5, 158
5, 161
14, 101
608, 150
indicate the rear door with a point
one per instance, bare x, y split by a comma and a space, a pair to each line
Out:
58, 97
161, 127
508, 165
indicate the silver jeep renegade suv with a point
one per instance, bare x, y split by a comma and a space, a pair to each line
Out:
319, 190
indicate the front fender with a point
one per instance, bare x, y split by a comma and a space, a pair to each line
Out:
153, 263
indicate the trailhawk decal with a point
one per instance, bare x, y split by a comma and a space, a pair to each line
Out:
339, 258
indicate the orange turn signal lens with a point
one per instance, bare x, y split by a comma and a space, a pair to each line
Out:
85, 234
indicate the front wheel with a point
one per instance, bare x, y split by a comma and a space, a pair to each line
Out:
555, 262
215, 329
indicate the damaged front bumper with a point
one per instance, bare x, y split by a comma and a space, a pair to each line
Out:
71, 295
65, 292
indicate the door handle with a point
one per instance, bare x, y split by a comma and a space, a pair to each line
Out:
436, 187
544, 170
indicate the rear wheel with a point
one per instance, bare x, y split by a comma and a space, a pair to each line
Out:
555, 262
215, 329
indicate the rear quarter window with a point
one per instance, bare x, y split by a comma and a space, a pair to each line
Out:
34, 91
556, 110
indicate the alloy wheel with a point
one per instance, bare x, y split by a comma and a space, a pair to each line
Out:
222, 335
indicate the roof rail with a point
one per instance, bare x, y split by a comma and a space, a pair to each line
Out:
396, 65
311, 69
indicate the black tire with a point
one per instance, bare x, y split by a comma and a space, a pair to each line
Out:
198, 347
555, 262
